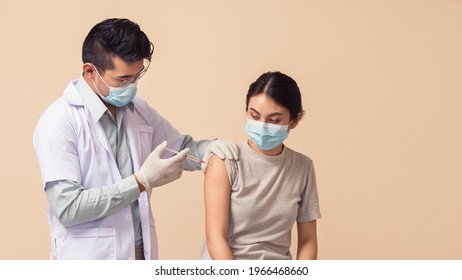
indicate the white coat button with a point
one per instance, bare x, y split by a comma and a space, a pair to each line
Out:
128, 217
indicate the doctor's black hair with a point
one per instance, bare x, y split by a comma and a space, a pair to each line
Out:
116, 37
281, 88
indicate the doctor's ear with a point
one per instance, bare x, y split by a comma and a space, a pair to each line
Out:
88, 70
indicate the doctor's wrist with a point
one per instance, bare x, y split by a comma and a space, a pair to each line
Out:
140, 186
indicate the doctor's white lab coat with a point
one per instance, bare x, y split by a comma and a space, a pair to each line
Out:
71, 145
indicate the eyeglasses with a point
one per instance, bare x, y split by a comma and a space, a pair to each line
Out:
124, 81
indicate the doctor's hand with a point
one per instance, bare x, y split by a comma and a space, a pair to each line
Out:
222, 149
156, 171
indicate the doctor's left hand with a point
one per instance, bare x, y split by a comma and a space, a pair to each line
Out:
157, 171
222, 149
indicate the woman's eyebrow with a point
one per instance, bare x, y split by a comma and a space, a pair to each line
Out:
275, 114
270, 115
255, 111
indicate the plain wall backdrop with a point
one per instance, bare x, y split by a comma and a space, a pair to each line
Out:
381, 84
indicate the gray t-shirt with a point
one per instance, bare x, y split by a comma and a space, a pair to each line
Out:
268, 194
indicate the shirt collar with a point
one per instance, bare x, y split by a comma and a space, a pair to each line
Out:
93, 102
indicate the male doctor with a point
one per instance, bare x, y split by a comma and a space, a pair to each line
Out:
101, 150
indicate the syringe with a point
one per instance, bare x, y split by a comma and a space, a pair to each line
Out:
187, 156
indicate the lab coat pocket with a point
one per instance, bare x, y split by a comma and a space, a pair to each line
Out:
145, 137
93, 243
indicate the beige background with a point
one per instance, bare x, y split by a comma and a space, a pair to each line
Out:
381, 84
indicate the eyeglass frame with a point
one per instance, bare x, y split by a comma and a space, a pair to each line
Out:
133, 78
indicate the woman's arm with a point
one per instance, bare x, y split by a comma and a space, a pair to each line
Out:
307, 241
216, 196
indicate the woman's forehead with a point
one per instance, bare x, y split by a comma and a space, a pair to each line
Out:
263, 103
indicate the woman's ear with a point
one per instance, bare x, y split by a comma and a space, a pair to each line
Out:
295, 121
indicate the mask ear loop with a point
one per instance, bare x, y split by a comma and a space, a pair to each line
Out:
94, 84
97, 90
101, 77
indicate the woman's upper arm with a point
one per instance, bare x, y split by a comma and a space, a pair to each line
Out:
307, 230
216, 197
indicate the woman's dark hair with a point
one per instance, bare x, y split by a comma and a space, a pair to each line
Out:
116, 37
281, 88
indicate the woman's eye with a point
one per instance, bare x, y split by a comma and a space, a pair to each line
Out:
274, 121
255, 117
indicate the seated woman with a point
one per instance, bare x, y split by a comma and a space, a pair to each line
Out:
252, 204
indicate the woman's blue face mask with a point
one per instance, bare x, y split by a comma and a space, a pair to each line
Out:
266, 136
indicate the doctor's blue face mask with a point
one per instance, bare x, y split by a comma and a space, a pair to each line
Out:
118, 96
266, 136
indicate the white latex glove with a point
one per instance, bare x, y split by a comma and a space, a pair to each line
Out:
222, 149
156, 171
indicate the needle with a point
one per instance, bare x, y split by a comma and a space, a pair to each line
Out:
187, 156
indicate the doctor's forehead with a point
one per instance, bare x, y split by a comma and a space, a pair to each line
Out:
124, 68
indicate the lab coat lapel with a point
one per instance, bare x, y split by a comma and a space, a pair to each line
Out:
99, 132
73, 97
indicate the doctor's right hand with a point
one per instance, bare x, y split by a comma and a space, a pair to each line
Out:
156, 171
